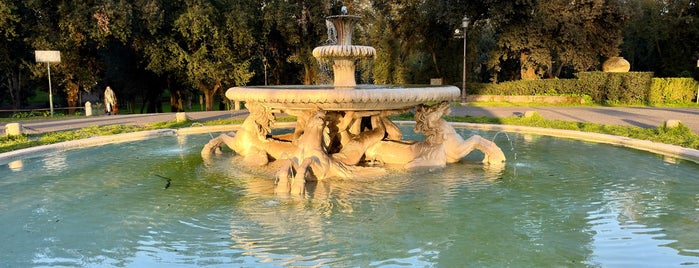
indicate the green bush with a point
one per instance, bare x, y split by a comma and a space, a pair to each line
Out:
615, 88
605, 88
672, 90
546, 87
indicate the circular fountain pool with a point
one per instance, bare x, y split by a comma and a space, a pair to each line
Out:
154, 202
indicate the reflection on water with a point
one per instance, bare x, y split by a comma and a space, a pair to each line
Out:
16, 165
55, 162
558, 203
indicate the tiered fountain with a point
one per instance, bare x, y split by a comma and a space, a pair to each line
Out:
343, 130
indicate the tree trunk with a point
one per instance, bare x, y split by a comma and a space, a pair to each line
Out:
14, 85
209, 94
307, 74
527, 70
72, 91
176, 100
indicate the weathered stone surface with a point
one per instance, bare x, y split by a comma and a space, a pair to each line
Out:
616, 65
14, 129
362, 98
672, 123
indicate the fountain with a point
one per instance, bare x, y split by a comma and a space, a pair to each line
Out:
343, 130
155, 202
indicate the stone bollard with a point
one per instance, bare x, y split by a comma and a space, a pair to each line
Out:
672, 123
181, 117
88, 109
13, 129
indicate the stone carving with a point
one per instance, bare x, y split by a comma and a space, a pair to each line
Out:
343, 130
616, 65
442, 144
251, 141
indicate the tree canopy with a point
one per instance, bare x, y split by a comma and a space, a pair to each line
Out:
144, 48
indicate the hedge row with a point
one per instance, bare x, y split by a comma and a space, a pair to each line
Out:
605, 88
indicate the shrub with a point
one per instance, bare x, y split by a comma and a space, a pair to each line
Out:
604, 88
615, 88
672, 90
526, 87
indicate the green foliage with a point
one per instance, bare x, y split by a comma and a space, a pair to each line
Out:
632, 88
11, 143
672, 90
615, 88
526, 87
662, 36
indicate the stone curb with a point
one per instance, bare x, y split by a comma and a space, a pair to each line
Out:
94, 141
125, 137
644, 145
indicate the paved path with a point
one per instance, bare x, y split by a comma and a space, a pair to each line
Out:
642, 117
646, 117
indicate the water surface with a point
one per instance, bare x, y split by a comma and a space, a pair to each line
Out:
557, 202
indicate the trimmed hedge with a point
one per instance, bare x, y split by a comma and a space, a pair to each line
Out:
672, 90
605, 88
616, 88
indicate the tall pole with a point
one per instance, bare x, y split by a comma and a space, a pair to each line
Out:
48, 66
464, 24
463, 72
48, 56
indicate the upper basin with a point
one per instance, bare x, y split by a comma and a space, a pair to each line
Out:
329, 98
343, 51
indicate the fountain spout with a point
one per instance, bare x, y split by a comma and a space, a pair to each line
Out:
343, 54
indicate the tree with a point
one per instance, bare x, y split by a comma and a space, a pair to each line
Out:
662, 37
12, 65
200, 45
546, 36
289, 32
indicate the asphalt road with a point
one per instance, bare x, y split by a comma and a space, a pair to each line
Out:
624, 116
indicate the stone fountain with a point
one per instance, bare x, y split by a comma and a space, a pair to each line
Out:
343, 130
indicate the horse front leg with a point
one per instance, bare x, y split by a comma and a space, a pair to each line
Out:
298, 184
492, 153
283, 178
212, 147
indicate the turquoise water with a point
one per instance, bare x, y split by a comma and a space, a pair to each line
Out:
557, 202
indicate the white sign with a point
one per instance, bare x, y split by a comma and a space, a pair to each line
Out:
47, 56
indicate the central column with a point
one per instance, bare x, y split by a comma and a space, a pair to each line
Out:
344, 67
344, 73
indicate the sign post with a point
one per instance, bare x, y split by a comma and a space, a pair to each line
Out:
48, 56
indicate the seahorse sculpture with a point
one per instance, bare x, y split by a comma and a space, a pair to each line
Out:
442, 143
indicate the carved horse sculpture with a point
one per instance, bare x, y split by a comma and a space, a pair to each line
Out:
442, 143
311, 160
251, 141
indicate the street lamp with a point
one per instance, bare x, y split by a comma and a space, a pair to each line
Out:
464, 24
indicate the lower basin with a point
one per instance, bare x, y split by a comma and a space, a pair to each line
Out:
356, 98
155, 202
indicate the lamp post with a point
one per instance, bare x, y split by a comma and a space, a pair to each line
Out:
464, 24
